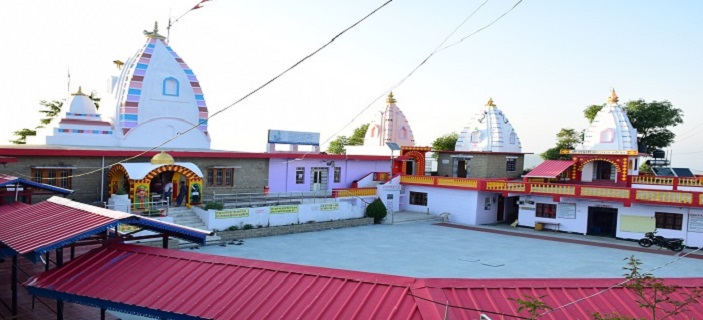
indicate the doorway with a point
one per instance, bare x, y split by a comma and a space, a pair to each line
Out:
409, 167
501, 208
602, 221
319, 179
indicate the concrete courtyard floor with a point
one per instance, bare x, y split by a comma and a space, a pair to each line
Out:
418, 248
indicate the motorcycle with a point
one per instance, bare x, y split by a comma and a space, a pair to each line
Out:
672, 244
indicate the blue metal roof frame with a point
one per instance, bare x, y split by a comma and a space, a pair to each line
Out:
173, 230
110, 305
36, 185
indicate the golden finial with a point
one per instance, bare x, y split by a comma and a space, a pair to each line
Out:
390, 98
119, 64
490, 103
613, 97
79, 93
155, 33
162, 158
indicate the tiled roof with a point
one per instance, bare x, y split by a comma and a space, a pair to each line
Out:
177, 284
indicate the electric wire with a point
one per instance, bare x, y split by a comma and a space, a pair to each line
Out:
203, 121
467, 308
435, 51
617, 284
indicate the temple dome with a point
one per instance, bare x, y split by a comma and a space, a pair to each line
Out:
81, 104
162, 158
611, 129
489, 131
390, 126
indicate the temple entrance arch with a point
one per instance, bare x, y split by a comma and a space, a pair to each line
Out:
144, 182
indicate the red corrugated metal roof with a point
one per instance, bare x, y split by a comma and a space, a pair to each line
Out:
9, 207
549, 169
168, 283
58, 221
40, 225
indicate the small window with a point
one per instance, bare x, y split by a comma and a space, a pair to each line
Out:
337, 174
418, 198
476, 136
299, 175
220, 177
56, 177
546, 210
403, 133
510, 164
607, 136
513, 137
171, 87
671, 221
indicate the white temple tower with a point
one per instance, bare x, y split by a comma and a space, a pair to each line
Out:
389, 126
157, 96
611, 129
489, 131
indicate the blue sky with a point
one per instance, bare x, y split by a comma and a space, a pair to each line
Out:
542, 64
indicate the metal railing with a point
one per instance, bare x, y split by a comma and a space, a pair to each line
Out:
236, 200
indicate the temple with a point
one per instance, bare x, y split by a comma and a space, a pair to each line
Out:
155, 98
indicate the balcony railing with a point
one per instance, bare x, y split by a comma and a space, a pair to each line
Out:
603, 192
353, 192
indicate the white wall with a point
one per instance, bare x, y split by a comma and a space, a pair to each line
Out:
263, 216
461, 204
526, 217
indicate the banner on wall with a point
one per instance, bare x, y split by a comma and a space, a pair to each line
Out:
329, 206
231, 213
195, 192
695, 222
126, 228
284, 209
638, 224
566, 210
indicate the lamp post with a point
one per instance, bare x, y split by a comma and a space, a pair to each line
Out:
393, 146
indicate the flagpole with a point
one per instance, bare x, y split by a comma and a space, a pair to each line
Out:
168, 29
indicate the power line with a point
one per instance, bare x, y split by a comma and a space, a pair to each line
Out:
446, 304
617, 284
436, 50
203, 121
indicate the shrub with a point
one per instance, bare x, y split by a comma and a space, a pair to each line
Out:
214, 206
376, 210
233, 228
247, 227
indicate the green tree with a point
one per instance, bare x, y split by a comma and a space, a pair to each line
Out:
653, 294
652, 120
568, 139
376, 210
22, 135
50, 111
591, 111
445, 142
337, 146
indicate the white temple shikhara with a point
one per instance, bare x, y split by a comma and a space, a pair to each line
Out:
489, 131
389, 126
155, 97
611, 129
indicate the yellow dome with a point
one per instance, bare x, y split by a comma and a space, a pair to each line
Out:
162, 158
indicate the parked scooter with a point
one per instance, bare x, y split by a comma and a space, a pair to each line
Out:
672, 244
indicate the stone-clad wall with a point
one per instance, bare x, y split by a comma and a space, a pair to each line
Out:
483, 165
250, 175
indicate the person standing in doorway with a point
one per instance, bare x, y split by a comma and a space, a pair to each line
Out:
168, 189
182, 192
